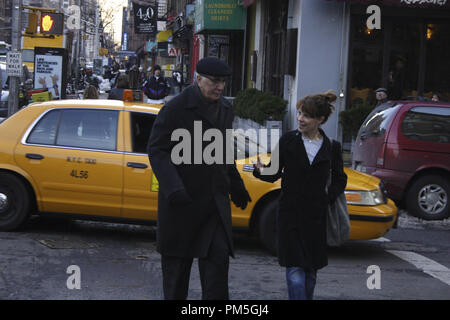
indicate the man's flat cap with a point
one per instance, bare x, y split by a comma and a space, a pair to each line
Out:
381, 90
211, 66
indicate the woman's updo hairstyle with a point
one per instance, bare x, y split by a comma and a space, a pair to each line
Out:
318, 105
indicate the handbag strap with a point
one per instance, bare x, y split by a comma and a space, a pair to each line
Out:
333, 143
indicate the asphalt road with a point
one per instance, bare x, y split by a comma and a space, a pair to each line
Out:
73, 260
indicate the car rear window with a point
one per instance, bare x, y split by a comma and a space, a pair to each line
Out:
427, 124
377, 121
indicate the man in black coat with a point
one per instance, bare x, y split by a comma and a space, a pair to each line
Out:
194, 214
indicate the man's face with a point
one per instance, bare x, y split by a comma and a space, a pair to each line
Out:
381, 95
157, 72
211, 87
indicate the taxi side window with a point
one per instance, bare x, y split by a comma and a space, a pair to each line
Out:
93, 129
45, 131
141, 127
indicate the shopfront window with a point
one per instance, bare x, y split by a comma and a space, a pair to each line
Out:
404, 55
437, 65
408, 56
366, 62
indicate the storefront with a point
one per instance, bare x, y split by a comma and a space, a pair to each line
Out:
408, 55
220, 25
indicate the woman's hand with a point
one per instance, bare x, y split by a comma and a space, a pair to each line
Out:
258, 165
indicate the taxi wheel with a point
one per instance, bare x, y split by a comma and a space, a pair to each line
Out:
15, 204
429, 198
267, 226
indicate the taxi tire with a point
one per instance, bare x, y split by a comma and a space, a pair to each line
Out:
18, 208
267, 226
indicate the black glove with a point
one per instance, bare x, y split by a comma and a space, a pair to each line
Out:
241, 198
179, 198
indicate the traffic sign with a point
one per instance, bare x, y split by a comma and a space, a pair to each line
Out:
52, 23
14, 64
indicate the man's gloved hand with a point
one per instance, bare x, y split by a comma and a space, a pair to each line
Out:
179, 198
240, 198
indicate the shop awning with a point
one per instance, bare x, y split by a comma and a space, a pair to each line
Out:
163, 36
404, 3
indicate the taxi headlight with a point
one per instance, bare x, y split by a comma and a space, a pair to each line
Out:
364, 198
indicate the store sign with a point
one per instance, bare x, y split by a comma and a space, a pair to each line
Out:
413, 2
150, 45
144, 18
173, 52
405, 3
14, 64
49, 70
219, 15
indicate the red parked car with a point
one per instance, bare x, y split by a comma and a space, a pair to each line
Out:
407, 145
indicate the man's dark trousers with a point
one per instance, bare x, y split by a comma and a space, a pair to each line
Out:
213, 271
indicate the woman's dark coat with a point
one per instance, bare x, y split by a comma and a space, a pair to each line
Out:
301, 223
187, 231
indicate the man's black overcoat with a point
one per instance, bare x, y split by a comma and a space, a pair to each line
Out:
301, 221
187, 231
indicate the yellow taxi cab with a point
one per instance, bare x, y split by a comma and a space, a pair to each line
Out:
87, 159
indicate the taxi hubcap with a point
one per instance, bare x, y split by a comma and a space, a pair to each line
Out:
432, 199
3, 202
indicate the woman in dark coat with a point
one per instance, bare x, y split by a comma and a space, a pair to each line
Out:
306, 156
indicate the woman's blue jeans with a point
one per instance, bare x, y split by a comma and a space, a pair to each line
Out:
301, 283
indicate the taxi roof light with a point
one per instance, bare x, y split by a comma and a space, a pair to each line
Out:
130, 95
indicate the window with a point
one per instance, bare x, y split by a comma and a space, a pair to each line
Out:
45, 130
378, 120
93, 129
141, 127
427, 124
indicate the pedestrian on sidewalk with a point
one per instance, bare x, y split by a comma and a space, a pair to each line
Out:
156, 87
306, 156
194, 212
381, 96
122, 84
90, 92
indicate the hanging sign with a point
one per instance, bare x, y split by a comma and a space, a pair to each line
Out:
144, 18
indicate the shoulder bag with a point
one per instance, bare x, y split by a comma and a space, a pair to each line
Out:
338, 221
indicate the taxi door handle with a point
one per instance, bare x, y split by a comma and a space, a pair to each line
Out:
137, 165
34, 156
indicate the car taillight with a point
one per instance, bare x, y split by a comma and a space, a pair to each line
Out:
380, 158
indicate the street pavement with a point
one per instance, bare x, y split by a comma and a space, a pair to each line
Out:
119, 262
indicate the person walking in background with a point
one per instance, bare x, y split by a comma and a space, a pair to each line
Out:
436, 97
307, 157
381, 96
91, 92
122, 84
156, 87
194, 213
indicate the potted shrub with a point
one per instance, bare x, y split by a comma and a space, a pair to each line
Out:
351, 119
259, 106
